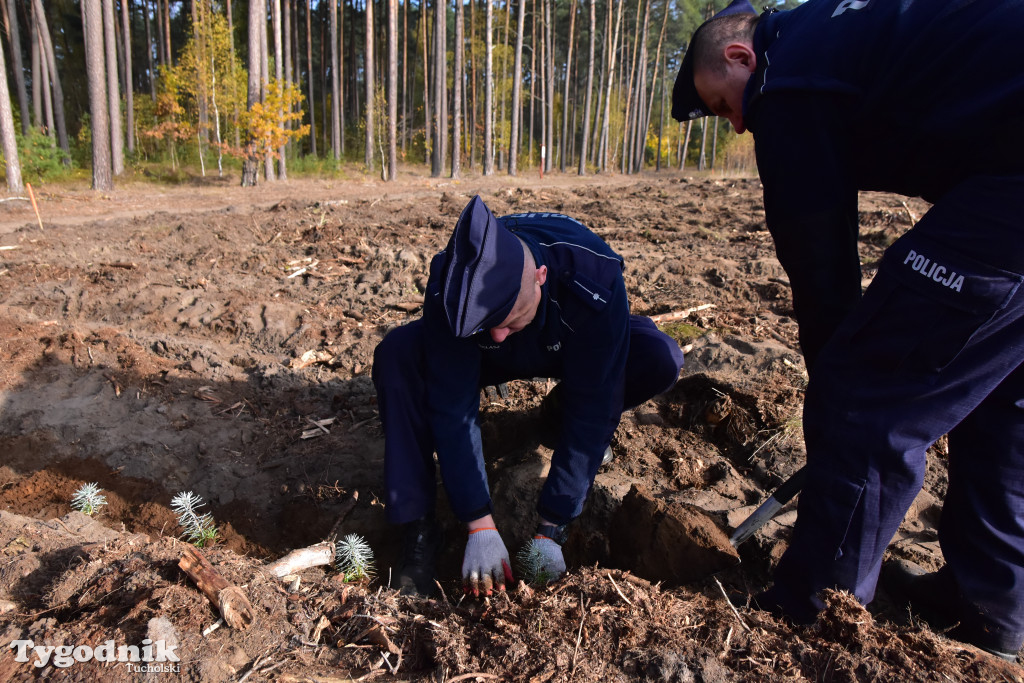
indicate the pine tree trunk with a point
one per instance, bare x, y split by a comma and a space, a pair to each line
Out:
37, 91
281, 45
392, 89
113, 92
128, 89
714, 143
424, 21
686, 145
341, 70
405, 75
590, 90
149, 48
549, 81
654, 88
474, 65
7, 141
44, 84
368, 68
457, 81
702, 161
335, 83
48, 55
167, 33
250, 166
439, 156
502, 152
563, 143
268, 160
17, 66
309, 76
533, 78
489, 91
95, 66
517, 91
605, 126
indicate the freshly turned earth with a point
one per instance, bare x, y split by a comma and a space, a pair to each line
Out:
159, 340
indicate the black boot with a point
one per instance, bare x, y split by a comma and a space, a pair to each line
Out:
421, 545
935, 597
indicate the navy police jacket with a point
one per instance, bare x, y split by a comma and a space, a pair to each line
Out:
907, 96
579, 335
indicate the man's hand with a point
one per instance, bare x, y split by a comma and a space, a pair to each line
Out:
485, 565
552, 564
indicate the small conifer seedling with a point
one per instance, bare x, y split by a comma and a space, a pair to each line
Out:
200, 529
88, 500
354, 558
531, 565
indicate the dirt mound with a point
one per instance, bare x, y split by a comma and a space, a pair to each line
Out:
84, 585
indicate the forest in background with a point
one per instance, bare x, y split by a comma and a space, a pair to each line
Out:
175, 87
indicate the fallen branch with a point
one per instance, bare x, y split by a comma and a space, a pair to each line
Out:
666, 317
616, 587
13, 246
229, 600
303, 558
346, 509
729, 602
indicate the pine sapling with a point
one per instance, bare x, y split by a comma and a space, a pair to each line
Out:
88, 500
200, 529
531, 565
354, 558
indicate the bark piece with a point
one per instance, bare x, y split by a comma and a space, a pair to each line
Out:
229, 600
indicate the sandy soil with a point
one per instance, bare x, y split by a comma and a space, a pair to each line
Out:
161, 340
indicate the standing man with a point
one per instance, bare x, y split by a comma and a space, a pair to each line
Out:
924, 98
521, 296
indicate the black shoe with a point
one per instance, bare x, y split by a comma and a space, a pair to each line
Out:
985, 637
417, 573
933, 596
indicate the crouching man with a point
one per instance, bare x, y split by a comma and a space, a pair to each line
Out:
516, 297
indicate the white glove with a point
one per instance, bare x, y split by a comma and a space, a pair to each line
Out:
552, 564
485, 565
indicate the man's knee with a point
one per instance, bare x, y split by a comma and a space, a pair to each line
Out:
397, 353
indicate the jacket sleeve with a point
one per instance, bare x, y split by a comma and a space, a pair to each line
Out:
810, 201
453, 398
592, 388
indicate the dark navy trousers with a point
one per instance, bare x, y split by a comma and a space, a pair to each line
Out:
652, 367
935, 347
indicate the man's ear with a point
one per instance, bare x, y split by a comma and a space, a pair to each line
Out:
741, 54
542, 275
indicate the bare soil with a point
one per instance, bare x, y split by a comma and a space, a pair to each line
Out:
161, 340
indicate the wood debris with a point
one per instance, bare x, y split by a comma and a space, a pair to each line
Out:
319, 428
678, 315
303, 558
312, 357
229, 600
